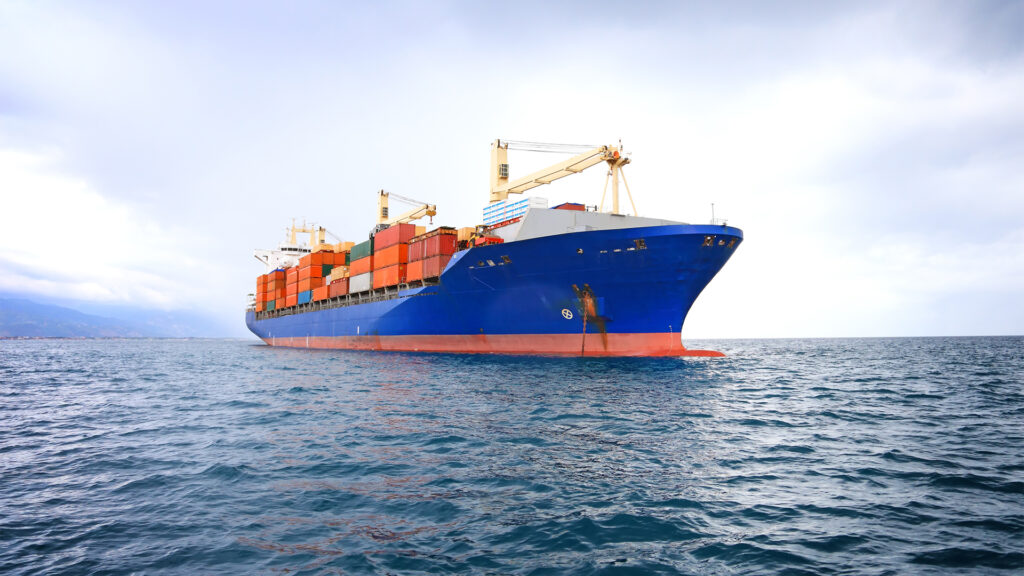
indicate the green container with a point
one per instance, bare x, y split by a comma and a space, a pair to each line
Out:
348, 258
270, 305
362, 250
327, 270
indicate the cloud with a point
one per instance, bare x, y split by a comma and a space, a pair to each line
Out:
63, 239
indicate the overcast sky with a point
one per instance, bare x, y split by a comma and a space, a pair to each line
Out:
871, 152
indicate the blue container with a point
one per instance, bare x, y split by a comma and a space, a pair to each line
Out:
305, 297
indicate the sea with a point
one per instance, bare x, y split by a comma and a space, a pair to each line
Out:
813, 456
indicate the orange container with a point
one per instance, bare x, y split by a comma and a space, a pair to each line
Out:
276, 275
261, 297
261, 306
291, 300
276, 294
292, 275
275, 283
361, 266
390, 276
397, 254
321, 293
314, 259
414, 271
309, 284
280, 302
313, 271
339, 287
261, 283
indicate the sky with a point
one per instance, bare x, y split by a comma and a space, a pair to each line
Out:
870, 151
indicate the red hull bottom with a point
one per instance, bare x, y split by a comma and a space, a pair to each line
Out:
656, 344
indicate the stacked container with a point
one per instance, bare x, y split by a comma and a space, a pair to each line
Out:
430, 253
312, 270
391, 254
360, 266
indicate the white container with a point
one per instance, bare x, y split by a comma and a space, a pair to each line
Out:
360, 283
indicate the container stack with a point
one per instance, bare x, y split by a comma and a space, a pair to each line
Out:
312, 270
361, 267
430, 253
269, 287
391, 254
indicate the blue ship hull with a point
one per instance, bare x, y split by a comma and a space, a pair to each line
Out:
605, 292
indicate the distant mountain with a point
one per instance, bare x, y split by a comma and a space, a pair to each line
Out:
19, 317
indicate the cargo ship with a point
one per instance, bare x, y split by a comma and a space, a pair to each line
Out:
530, 279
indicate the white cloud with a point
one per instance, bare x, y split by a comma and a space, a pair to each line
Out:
59, 237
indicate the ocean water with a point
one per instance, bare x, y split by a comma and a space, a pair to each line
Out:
849, 456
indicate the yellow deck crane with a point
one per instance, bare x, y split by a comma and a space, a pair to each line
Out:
422, 209
589, 156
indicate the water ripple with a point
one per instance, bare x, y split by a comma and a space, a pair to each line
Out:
788, 456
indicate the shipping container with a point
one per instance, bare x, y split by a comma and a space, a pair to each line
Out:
361, 266
336, 273
280, 303
439, 245
276, 274
261, 297
313, 259
277, 294
309, 284
394, 234
395, 254
570, 206
416, 250
261, 306
361, 250
390, 276
465, 234
311, 271
360, 283
321, 293
414, 271
338, 288
275, 284
291, 289
433, 266
325, 270
271, 305
291, 299
292, 275
305, 297
343, 247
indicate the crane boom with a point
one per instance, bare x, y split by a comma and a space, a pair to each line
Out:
501, 187
422, 209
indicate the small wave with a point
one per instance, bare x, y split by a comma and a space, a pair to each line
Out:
969, 558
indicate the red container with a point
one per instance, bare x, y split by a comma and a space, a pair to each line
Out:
397, 254
390, 276
416, 250
321, 293
433, 266
291, 300
276, 275
396, 233
571, 206
316, 259
339, 287
440, 245
309, 284
361, 266
414, 271
292, 275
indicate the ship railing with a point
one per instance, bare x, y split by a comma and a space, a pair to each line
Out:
377, 295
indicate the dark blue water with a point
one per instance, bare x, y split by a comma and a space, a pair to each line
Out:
888, 456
